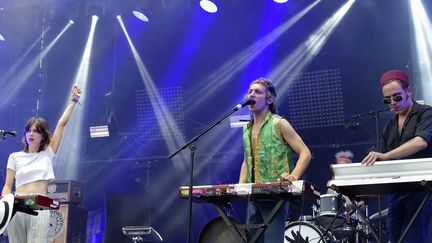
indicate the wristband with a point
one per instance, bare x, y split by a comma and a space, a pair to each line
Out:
75, 99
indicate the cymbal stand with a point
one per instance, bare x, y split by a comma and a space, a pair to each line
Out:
363, 217
327, 229
360, 224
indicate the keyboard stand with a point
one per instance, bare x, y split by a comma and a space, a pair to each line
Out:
363, 217
235, 229
420, 207
424, 184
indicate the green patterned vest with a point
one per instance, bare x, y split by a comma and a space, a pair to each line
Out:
272, 155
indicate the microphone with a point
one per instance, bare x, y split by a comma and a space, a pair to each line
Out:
248, 102
352, 124
4, 132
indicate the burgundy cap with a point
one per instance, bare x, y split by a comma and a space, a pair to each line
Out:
394, 74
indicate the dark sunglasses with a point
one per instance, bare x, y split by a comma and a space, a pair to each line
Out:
396, 98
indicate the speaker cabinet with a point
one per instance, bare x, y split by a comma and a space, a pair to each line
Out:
68, 224
66, 191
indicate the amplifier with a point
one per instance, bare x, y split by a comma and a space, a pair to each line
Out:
68, 225
66, 191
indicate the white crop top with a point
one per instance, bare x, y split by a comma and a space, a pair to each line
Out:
30, 167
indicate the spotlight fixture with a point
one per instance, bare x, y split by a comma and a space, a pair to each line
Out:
140, 16
71, 21
95, 9
280, 1
2, 38
208, 6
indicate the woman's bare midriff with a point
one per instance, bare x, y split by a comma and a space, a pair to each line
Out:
35, 187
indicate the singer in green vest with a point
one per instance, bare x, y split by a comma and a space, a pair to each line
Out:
269, 142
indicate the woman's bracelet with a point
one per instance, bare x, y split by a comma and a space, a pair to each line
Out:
74, 99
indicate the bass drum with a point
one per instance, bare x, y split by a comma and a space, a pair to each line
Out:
306, 232
216, 231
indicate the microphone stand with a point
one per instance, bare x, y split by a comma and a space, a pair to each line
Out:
192, 149
3, 134
375, 114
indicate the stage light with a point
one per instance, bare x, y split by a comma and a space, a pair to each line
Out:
95, 8
70, 149
71, 21
140, 16
224, 74
164, 117
422, 53
16, 80
2, 38
280, 1
208, 6
294, 64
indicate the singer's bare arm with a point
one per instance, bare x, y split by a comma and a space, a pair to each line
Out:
64, 119
243, 171
10, 177
297, 144
409, 148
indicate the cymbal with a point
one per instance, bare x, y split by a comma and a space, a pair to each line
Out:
376, 215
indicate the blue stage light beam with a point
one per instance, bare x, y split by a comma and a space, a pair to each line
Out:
168, 127
296, 62
217, 79
15, 84
13, 69
70, 149
165, 119
422, 29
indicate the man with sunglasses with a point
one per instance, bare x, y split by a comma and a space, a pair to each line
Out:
407, 136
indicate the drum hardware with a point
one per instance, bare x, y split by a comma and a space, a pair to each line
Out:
336, 215
363, 219
331, 209
330, 227
300, 231
379, 224
344, 232
314, 211
353, 228
306, 218
376, 215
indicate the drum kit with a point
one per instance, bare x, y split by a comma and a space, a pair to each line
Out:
333, 220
